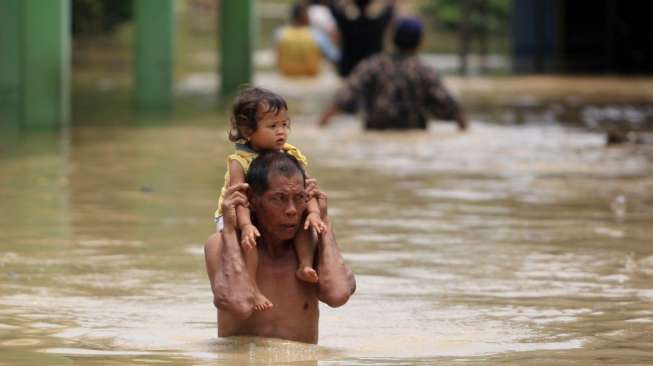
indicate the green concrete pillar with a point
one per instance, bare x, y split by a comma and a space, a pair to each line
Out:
35, 62
153, 54
9, 64
236, 44
46, 62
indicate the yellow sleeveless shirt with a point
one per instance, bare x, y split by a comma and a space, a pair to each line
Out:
298, 54
244, 155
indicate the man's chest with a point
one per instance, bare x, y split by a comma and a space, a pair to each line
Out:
286, 292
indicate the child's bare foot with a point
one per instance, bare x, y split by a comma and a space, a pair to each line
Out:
306, 273
261, 302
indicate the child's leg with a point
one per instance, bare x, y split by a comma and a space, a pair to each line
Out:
251, 261
305, 245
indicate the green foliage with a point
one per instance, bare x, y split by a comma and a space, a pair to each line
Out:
448, 14
100, 16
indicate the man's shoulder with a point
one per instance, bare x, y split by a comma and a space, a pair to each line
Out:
374, 62
413, 63
425, 68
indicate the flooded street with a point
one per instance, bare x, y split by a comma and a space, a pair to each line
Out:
522, 241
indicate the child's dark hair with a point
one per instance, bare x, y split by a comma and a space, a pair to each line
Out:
276, 162
244, 115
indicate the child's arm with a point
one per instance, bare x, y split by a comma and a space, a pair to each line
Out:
248, 232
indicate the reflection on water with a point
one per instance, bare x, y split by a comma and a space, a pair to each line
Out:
507, 244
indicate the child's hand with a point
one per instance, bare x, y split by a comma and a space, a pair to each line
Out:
248, 235
313, 220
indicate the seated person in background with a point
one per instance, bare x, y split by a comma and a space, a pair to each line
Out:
301, 48
396, 90
277, 199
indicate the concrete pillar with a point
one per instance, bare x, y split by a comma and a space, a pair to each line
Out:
9, 64
35, 62
236, 44
153, 55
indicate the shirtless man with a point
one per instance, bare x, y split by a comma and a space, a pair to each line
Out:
277, 200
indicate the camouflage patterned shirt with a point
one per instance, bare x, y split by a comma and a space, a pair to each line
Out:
396, 91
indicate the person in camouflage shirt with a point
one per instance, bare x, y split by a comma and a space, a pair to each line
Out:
396, 91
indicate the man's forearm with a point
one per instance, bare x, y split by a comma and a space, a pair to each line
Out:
232, 288
461, 120
337, 282
328, 113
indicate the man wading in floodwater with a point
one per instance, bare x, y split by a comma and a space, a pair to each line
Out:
396, 91
277, 200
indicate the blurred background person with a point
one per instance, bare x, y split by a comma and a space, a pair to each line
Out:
396, 90
362, 25
300, 47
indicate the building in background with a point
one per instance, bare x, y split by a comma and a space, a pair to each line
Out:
582, 36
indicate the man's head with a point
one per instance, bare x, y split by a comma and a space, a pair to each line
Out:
408, 34
277, 198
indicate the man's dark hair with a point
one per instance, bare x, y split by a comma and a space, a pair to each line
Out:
408, 34
271, 163
244, 116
